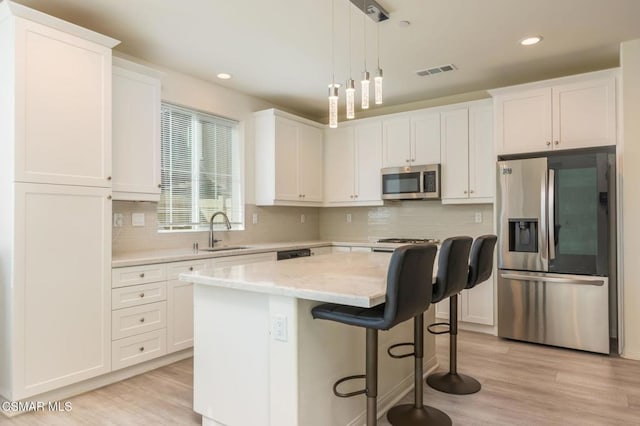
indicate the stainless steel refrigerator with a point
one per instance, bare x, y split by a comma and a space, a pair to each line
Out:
557, 250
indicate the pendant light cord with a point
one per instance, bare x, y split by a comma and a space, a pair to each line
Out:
349, 9
333, 67
364, 27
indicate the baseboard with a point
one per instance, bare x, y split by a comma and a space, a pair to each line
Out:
391, 398
478, 328
100, 381
631, 355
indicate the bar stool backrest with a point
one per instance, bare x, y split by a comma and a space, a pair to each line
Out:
481, 260
453, 268
409, 283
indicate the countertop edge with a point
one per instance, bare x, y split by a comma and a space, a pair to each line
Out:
149, 258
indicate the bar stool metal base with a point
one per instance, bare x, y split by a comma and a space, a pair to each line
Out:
410, 415
453, 383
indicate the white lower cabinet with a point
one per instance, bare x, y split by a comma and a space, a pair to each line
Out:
153, 310
179, 315
139, 314
54, 312
180, 304
135, 349
474, 306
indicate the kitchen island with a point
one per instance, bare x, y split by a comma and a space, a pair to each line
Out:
260, 358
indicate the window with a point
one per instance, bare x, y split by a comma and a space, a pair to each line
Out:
201, 170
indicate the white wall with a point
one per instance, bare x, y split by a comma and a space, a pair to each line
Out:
630, 60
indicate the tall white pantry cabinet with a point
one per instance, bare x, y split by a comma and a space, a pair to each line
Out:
55, 184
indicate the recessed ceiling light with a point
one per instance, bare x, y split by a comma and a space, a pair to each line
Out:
530, 41
224, 76
404, 23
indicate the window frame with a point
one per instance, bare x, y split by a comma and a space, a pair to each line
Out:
195, 153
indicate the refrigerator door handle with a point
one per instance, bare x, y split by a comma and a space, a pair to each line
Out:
582, 281
552, 213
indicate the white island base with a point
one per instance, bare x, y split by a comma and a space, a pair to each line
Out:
261, 359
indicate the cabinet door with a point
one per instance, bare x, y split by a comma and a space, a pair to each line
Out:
477, 304
425, 136
310, 163
286, 156
179, 315
396, 142
584, 114
136, 136
368, 155
523, 121
482, 160
455, 154
63, 108
62, 286
339, 165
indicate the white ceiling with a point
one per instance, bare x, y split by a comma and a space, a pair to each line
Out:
280, 50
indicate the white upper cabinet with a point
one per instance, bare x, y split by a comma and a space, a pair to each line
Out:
136, 132
288, 160
411, 139
353, 159
566, 113
468, 160
62, 106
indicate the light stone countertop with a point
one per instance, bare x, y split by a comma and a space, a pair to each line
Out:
148, 257
356, 279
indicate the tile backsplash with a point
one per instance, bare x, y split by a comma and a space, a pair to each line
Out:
274, 224
418, 219
406, 219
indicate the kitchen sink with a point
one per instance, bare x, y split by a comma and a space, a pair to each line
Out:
222, 248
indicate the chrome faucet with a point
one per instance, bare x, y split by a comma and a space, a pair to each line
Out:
212, 241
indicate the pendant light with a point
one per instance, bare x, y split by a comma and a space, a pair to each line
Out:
333, 87
350, 87
378, 78
365, 74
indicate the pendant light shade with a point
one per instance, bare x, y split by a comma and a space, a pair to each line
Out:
333, 106
350, 90
377, 80
365, 90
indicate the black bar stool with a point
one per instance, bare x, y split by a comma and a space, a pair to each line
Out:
408, 294
480, 267
451, 277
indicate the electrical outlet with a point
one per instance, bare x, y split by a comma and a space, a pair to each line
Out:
348, 217
302, 218
137, 219
255, 218
478, 217
118, 220
279, 328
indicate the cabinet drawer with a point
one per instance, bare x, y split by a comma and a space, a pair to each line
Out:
174, 269
126, 297
143, 347
139, 319
133, 275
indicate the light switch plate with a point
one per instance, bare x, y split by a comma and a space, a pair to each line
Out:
137, 219
255, 218
478, 217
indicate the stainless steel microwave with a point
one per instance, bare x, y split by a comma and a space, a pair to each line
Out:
411, 182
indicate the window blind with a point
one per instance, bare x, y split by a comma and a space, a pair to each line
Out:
200, 166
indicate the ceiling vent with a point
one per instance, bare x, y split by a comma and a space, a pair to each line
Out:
436, 70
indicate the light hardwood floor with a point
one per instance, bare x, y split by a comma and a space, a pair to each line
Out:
522, 384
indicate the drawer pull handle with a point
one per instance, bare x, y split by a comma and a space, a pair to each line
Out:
142, 319
141, 348
142, 275
141, 295
191, 268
